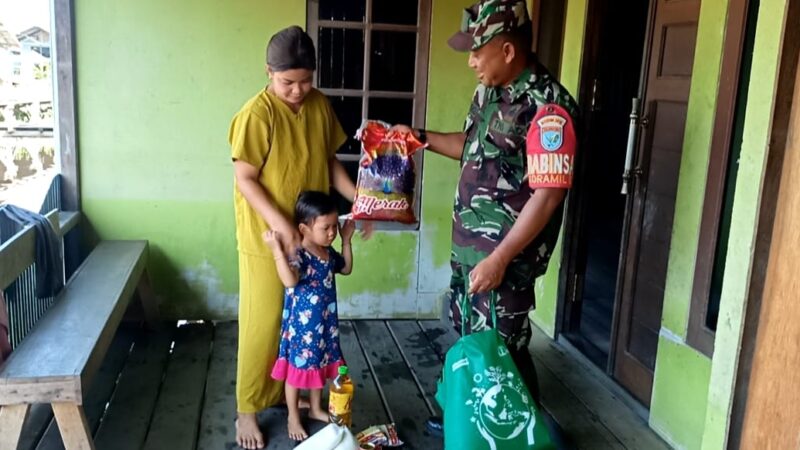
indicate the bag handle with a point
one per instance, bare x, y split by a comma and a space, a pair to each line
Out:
466, 306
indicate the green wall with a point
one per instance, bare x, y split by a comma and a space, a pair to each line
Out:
681, 381
684, 381
574, 35
755, 143
451, 84
157, 85
691, 396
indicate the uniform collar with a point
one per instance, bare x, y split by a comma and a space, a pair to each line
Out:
522, 85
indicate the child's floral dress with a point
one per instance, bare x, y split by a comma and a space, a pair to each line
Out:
309, 352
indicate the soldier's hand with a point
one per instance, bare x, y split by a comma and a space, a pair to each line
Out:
487, 275
404, 129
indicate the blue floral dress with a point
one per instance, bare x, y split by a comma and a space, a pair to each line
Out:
309, 352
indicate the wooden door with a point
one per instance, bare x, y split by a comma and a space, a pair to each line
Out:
665, 97
772, 412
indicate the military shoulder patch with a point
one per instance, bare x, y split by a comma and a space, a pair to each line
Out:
551, 143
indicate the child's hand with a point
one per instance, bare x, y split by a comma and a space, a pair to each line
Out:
273, 240
348, 229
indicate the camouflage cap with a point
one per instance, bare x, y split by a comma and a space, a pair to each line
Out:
485, 20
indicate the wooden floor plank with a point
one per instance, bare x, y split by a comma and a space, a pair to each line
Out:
102, 386
177, 414
406, 402
589, 413
128, 416
582, 428
441, 335
217, 429
628, 427
425, 364
368, 406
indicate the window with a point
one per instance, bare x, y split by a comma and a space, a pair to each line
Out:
723, 167
28, 160
372, 62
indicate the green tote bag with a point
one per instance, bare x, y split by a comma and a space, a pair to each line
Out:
485, 402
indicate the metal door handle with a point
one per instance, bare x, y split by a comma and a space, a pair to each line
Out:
632, 134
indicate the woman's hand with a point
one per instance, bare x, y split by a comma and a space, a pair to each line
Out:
289, 235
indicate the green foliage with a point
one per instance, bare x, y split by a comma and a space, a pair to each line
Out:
22, 154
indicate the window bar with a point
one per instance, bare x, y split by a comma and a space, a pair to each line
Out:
367, 59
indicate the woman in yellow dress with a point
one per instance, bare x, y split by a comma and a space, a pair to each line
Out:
283, 142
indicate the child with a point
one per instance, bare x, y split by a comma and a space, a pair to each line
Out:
309, 351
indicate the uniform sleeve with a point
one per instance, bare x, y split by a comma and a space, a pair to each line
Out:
249, 137
337, 135
550, 145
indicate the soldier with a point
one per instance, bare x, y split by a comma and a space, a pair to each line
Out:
507, 212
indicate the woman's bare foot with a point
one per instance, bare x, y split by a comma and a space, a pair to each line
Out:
296, 430
247, 433
319, 414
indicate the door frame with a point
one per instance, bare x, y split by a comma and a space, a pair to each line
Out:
788, 68
566, 315
570, 285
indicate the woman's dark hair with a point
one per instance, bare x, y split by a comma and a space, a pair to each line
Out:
291, 48
312, 204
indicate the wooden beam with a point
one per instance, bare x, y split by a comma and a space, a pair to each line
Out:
73, 426
17, 254
11, 419
148, 301
66, 127
68, 220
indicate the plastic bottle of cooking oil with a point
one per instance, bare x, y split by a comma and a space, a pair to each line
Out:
340, 398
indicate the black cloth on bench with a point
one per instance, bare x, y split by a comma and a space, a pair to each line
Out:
49, 265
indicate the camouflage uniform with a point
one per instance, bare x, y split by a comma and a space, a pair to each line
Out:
493, 186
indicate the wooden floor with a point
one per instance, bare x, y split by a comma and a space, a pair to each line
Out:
175, 389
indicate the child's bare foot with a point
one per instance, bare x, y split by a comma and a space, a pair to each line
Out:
296, 430
247, 433
319, 414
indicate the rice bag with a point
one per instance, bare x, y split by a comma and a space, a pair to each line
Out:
386, 176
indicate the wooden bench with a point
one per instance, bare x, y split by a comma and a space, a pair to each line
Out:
55, 363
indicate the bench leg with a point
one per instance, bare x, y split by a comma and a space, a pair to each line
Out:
73, 426
11, 419
149, 302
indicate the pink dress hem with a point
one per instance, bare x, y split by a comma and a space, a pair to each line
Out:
304, 379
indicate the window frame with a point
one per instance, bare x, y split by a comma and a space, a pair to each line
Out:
418, 96
699, 336
62, 69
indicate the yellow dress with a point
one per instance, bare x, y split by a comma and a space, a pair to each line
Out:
292, 152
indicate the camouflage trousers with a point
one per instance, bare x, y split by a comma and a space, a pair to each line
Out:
512, 307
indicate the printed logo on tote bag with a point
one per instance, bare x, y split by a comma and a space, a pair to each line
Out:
499, 409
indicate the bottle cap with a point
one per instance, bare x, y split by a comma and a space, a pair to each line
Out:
342, 370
